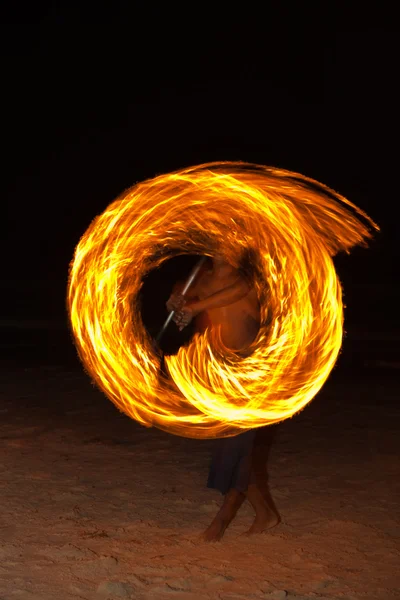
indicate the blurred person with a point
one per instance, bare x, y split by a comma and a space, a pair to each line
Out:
223, 297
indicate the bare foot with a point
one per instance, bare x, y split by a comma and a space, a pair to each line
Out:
215, 531
266, 517
232, 502
264, 520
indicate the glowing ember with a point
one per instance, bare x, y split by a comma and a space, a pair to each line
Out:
293, 224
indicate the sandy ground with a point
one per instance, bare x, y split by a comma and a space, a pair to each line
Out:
93, 506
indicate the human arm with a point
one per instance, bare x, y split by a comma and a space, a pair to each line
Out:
232, 293
189, 309
176, 300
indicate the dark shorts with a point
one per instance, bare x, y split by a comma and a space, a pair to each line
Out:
236, 458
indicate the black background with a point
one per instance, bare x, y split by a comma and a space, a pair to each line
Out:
94, 102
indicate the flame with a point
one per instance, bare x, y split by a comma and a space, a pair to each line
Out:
292, 224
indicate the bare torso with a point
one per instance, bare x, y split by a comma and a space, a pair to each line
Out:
239, 321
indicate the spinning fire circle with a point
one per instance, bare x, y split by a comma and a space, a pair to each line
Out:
291, 225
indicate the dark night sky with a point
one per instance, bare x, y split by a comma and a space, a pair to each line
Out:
89, 109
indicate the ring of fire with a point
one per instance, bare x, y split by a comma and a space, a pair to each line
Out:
291, 224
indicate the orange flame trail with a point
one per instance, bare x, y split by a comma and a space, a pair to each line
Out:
292, 224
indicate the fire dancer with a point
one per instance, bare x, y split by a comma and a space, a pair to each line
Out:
223, 296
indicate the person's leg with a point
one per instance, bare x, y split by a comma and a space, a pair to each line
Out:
232, 502
258, 493
266, 516
230, 473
